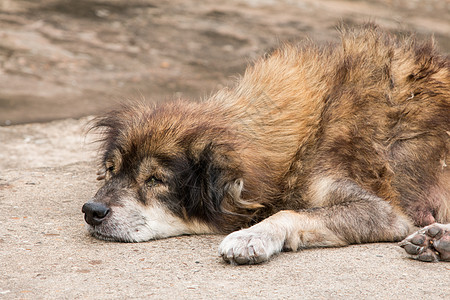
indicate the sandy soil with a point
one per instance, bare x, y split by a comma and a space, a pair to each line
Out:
61, 61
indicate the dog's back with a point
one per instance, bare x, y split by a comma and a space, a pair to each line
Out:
374, 109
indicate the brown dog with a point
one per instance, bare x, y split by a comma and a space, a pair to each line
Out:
323, 146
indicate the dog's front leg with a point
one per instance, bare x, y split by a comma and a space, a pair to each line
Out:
286, 230
348, 215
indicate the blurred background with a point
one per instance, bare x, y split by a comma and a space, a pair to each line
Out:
71, 58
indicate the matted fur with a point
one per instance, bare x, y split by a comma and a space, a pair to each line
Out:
326, 145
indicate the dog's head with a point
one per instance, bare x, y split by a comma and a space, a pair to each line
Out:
167, 171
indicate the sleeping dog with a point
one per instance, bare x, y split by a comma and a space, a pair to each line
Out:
315, 146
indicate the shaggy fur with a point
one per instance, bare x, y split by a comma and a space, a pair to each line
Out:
323, 146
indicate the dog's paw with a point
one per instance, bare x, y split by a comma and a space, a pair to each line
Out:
430, 244
248, 246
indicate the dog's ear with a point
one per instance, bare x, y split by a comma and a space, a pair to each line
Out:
214, 187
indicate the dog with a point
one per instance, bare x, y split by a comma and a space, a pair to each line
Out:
315, 146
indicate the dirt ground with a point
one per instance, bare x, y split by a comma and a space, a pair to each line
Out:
62, 61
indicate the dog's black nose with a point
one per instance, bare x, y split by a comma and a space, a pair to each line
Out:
94, 213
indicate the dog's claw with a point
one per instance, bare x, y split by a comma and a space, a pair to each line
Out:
413, 249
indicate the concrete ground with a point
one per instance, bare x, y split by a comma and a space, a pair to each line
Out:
47, 172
